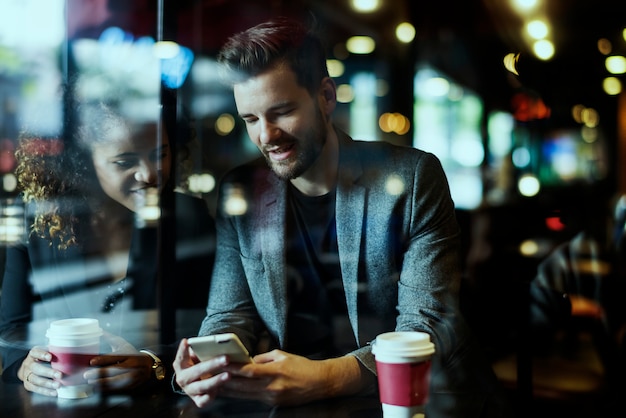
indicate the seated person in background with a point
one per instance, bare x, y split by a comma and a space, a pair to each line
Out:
86, 255
327, 217
583, 279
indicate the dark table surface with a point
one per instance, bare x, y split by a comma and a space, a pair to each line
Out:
16, 402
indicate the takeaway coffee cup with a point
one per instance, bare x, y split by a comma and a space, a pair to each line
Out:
73, 343
403, 365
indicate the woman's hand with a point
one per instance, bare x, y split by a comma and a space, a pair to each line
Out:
125, 368
37, 374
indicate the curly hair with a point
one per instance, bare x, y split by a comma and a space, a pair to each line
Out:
57, 175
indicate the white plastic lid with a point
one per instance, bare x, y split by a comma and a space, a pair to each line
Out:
74, 328
403, 344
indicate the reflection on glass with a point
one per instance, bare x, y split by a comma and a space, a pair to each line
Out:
12, 227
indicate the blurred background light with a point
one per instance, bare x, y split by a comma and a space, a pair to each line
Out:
202, 183
345, 93
537, 29
335, 68
32, 24
165, 49
543, 49
365, 6
394, 185
605, 46
612, 86
528, 185
525, 5
405, 32
616, 64
436, 87
224, 124
361, 45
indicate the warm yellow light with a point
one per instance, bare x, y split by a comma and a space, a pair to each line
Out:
615, 64
525, 5
394, 185
528, 248
543, 49
365, 6
510, 62
589, 135
604, 46
360, 45
405, 32
394, 122
345, 93
537, 29
201, 183
225, 124
165, 49
9, 182
577, 111
335, 68
528, 185
590, 117
612, 86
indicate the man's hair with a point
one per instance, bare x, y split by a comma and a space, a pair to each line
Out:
280, 41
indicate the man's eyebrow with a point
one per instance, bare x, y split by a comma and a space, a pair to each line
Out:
277, 106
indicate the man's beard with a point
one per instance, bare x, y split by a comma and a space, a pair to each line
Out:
308, 151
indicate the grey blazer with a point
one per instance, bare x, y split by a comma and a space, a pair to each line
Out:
397, 234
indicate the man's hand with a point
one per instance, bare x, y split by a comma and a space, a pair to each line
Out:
280, 378
201, 381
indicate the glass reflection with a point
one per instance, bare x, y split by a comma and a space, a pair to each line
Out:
86, 254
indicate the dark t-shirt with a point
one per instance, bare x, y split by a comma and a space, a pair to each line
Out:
314, 278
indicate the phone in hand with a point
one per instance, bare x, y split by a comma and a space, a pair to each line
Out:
220, 344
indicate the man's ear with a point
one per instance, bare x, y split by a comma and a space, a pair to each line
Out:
327, 96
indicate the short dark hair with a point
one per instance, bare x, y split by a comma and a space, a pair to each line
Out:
279, 41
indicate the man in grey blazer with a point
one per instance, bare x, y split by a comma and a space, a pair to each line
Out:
329, 228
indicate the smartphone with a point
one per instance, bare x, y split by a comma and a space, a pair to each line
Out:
220, 344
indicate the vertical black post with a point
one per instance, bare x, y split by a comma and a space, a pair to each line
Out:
167, 12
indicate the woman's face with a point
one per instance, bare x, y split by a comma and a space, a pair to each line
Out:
128, 163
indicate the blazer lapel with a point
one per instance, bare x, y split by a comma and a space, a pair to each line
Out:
272, 239
350, 211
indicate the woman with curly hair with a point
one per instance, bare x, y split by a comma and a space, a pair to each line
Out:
89, 253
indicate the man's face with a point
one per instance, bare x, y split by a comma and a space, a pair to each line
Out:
282, 120
127, 164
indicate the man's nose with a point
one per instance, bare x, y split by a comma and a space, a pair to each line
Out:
269, 132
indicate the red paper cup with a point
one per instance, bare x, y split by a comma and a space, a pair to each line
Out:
403, 367
73, 343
